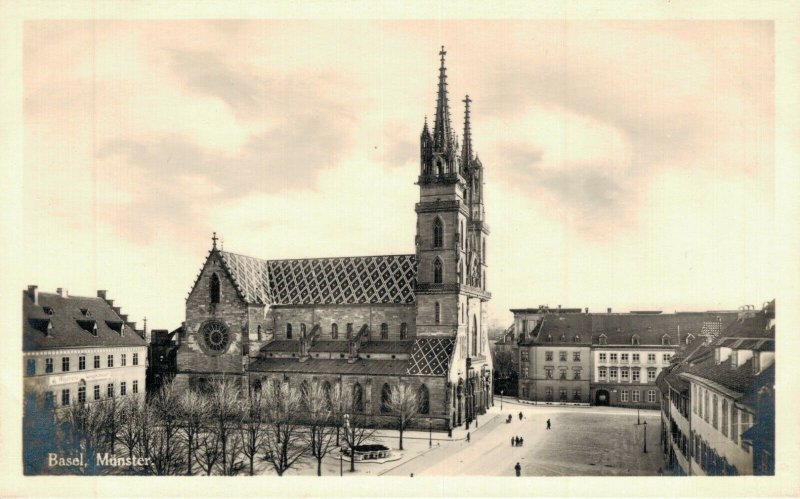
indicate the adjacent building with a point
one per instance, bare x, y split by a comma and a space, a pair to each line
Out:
364, 323
79, 349
569, 356
162, 357
718, 415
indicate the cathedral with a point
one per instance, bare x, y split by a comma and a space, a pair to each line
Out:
365, 323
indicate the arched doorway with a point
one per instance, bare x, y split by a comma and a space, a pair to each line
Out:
602, 397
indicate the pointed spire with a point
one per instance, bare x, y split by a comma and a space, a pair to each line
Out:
425, 126
466, 157
442, 134
214, 240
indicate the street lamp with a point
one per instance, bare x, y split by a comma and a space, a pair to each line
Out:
349, 440
341, 454
645, 437
501, 400
637, 416
430, 433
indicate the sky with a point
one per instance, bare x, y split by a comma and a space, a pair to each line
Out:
627, 164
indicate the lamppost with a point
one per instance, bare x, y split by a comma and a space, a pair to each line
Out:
349, 440
341, 468
501, 400
637, 416
430, 433
645, 437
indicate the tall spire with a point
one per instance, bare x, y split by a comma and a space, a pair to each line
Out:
466, 157
441, 125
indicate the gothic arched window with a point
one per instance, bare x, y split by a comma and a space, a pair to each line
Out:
386, 398
302, 330
463, 235
437, 313
288, 331
438, 233
403, 331
326, 390
214, 289
305, 393
358, 398
474, 335
334, 331
258, 332
437, 271
424, 400
384, 331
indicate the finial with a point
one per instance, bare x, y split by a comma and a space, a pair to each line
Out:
467, 150
442, 53
222, 243
145, 324
214, 240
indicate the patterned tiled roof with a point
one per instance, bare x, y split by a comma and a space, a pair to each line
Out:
250, 275
346, 280
430, 356
368, 279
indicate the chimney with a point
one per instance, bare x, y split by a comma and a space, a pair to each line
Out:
62, 292
559, 309
116, 310
609, 310
33, 293
101, 293
586, 310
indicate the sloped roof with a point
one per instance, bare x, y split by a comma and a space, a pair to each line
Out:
67, 330
332, 366
281, 346
336, 346
403, 346
345, 280
431, 356
557, 325
737, 379
620, 328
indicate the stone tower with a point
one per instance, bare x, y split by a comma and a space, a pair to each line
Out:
451, 233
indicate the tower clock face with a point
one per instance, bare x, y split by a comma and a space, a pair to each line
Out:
214, 337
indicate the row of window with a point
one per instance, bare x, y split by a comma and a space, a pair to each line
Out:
722, 416
384, 328
562, 394
636, 396
665, 340
651, 357
563, 339
562, 356
548, 372
438, 236
709, 461
65, 363
123, 390
625, 374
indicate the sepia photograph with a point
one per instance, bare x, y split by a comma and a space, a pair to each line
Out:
385, 249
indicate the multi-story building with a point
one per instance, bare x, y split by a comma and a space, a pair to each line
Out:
505, 357
79, 349
555, 359
368, 323
621, 354
721, 419
162, 357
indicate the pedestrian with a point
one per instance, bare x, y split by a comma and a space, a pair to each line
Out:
521, 441
512, 441
548, 423
518, 469
467, 436
660, 471
520, 415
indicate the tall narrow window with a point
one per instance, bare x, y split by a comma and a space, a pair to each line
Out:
437, 271
302, 329
424, 400
384, 331
334, 331
358, 398
474, 335
386, 398
438, 233
463, 235
214, 289
437, 313
288, 331
403, 331
349, 330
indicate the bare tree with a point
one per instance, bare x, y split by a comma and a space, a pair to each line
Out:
130, 432
284, 445
110, 408
322, 427
166, 453
207, 448
84, 429
223, 413
252, 427
192, 411
356, 431
403, 401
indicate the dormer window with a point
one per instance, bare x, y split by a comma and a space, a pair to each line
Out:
563, 338
549, 339
635, 339
85, 312
689, 338
603, 339
48, 310
577, 338
665, 339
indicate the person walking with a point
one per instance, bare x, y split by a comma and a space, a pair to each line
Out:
520, 415
521, 441
467, 437
512, 441
518, 469
548, 423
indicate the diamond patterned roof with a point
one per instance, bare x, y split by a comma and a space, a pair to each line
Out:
431, 356
347, 280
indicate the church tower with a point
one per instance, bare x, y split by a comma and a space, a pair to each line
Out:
450, 290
